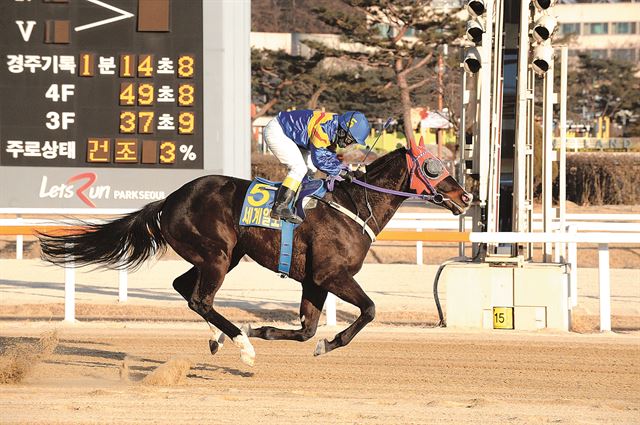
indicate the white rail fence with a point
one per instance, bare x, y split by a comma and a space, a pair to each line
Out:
600, 229
414, 221
574, 223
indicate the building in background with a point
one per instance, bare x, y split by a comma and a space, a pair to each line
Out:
601, 29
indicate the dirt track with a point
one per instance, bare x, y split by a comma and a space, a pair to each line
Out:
386, 376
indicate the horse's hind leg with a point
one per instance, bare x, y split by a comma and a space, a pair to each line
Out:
346, 288
185, 284
209, 281
313, 298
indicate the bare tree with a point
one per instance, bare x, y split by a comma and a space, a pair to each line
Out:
402, 35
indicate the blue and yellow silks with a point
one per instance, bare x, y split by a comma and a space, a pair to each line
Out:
313, 131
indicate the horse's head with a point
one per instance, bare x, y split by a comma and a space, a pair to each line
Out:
428, 175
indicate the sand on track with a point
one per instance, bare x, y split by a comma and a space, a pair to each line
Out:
401, 375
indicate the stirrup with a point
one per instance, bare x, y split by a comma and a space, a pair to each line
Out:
286, 215
291, 218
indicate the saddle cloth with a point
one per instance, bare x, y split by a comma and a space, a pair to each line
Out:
260, 196
256, 212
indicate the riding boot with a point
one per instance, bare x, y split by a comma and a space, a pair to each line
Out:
282, 208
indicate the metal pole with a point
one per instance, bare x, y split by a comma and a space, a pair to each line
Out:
496, 114
562, 165
547, 153
519, 172
605, 287
529, 158
484, 80
462, 147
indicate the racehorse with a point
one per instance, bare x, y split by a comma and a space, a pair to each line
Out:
200, 221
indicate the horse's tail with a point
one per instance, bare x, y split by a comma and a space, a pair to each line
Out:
124, 243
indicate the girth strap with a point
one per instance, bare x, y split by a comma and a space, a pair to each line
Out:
365, 227
286, 236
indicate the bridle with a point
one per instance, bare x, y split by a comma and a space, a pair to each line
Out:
438, 172
434, 167
436, 199
435, 173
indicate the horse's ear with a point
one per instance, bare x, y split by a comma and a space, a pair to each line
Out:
421, 141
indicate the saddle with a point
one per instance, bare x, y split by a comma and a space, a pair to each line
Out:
256, 211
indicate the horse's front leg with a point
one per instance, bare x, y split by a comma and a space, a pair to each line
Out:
344, 286
313, 298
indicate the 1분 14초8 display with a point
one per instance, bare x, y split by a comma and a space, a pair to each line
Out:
114, 83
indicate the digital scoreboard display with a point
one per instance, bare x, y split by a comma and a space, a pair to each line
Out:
101, 83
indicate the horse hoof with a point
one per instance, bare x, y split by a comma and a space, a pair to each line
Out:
214, 346
321, 347
247, 353
248, 358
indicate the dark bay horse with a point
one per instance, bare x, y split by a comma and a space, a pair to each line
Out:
200, 221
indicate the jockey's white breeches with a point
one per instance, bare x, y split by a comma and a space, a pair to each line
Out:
297, 161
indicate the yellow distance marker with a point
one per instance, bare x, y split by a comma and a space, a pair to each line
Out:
502, 317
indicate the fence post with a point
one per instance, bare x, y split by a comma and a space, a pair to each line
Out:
572, 258
330, 309
419, 250
605, 287
69, 293
19, 240
123, 280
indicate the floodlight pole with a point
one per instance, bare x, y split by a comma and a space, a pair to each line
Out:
547, 155
562, 161
520, 205
462, 144
485, 142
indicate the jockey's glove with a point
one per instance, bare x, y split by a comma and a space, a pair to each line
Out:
346, 174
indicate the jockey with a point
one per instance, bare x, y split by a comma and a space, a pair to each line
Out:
305, 141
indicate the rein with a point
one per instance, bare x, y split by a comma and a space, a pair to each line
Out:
434, 196
437, 198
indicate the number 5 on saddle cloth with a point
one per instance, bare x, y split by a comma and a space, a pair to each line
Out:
256, 211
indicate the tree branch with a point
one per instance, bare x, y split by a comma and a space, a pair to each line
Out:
418, 64
265, 108
313, 101
274, 99
418, 84
401, 33
266, 71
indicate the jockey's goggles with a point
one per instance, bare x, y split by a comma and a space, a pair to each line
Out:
344, 138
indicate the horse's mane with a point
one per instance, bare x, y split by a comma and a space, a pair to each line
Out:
381, 163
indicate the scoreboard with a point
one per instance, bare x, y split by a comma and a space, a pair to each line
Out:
102, 83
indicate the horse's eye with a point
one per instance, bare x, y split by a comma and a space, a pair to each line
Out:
433, 168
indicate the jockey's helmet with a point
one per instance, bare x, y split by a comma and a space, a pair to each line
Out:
353, 127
